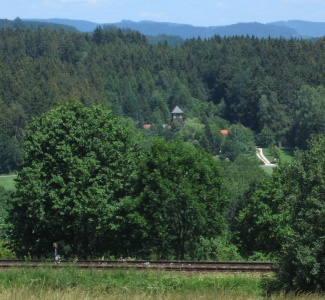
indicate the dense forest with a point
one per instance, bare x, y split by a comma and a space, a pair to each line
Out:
90, 171
272, 86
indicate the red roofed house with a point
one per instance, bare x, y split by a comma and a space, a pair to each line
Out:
224, 132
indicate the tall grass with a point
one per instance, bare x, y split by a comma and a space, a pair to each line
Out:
23, 293
70, 283
121, 284
124, 279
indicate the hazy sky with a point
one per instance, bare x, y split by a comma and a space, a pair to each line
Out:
195, 12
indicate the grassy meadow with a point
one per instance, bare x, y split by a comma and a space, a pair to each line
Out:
286, 154
70, 283
268, 170
7, 181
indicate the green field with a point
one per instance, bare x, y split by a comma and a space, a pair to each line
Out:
268, 170
286, 154
7, 181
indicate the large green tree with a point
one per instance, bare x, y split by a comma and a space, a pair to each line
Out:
273, 115
303, 265
239, 141
182, 198
76, 175
263, 224
241, 178
192, 131
309, 115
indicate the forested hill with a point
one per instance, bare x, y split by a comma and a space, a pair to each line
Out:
4, 23
315, 29
189, 31
273, 86
286, 29
81, 25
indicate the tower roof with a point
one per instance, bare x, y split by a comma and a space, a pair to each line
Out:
177, 110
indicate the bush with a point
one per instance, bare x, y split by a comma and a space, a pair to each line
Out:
217, 249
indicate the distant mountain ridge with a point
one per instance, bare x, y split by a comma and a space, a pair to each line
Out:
285, 29
81, 25
5, 23
315, 29
190, 31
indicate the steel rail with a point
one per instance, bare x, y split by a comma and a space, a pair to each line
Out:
185, 266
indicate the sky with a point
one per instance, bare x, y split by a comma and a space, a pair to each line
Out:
194, 12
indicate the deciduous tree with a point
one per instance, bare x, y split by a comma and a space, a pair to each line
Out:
239, 141
303, 265
182, 198
76, 175
309, 114
263, 224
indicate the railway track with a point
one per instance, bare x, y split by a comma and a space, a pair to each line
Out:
183, 266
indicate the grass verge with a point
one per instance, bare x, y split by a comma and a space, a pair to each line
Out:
70, 283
